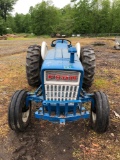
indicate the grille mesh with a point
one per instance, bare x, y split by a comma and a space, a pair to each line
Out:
61, 92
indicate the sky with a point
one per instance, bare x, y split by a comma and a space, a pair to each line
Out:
22, 6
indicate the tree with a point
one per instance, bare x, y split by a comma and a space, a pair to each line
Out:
6, 6
73, 1
66, 21
101, 16
10, 23
27, 23
19, 19
82, 15
22, 23
2, 27
105, 19
115, 16
44, 18
95, 7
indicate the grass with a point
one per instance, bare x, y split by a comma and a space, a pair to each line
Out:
101, 83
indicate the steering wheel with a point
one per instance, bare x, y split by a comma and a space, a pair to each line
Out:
53, 44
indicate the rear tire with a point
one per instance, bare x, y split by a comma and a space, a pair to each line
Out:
18, 113
99, 118
33, 65
87, 58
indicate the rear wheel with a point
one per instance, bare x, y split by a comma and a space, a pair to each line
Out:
33, 65
100, 113
87, 58
19, 113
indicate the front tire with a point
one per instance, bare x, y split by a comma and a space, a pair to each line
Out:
18, 113
100, 113
87, 58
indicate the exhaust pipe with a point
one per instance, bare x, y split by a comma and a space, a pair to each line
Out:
72, 51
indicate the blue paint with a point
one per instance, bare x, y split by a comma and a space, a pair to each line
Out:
69, 111
72, 51
62, 58
59, 59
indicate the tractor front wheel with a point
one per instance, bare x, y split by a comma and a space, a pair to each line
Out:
100, 113
19, 113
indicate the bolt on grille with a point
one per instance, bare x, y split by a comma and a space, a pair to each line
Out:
61, 92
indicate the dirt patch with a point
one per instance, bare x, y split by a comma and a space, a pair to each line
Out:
10, 47
44, 140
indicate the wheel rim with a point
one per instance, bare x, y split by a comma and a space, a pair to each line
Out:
94, 117
25, 115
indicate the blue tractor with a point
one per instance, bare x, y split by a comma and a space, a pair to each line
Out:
62, 75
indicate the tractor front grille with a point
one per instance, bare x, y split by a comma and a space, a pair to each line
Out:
61, 92
61, 85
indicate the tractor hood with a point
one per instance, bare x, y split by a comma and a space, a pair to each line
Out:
59, 59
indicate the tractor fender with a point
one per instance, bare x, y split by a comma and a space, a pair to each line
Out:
44, 49
78, 47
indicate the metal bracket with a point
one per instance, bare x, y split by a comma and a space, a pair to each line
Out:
62, 121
